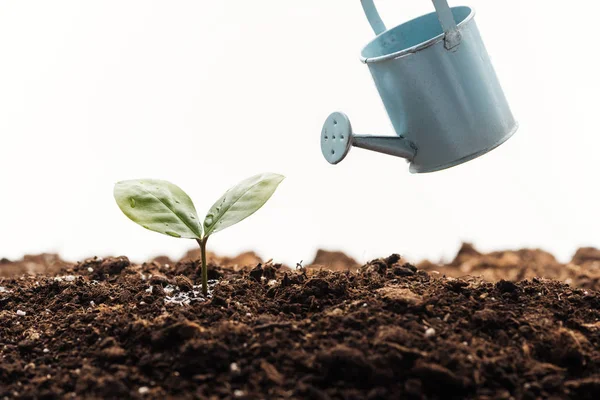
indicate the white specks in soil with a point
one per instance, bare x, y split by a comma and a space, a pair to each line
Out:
90, 270
66, 278
430, 332
21, 313
46, 350
4, 290
149, 290
175, 296
238, 393
169, 289
234, 368
143, 390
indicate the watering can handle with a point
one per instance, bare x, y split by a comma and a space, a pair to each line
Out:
443, 12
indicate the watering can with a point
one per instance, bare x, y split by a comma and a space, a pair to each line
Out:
439, 89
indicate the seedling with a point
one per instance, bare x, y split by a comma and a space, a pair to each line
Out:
163, 207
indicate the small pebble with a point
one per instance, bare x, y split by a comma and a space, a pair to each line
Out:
46, 350
234, 368
364, 304
90, 270
149, 290
143, 390
430, 332
248, 314
21, 313
92, 303
239, 393
69, 278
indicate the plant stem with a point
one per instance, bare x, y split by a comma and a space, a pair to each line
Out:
202, 243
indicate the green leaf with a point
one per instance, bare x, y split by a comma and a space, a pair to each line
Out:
241, 201
159, 206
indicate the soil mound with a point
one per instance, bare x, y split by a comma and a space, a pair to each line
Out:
108, 328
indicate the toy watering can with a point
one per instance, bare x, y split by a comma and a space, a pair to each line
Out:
439, 89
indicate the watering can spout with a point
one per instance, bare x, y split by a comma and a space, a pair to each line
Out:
337, 138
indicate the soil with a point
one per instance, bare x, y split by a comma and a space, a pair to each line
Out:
108, 328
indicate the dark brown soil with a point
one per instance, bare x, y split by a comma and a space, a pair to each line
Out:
582, 271
111, 329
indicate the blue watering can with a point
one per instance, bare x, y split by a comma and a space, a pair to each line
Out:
439, 89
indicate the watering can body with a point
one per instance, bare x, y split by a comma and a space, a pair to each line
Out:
439, 89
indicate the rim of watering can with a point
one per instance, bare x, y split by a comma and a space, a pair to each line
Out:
417, 47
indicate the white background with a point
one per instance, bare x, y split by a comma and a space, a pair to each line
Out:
206, 93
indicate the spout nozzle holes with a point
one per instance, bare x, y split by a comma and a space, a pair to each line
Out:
336, 137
